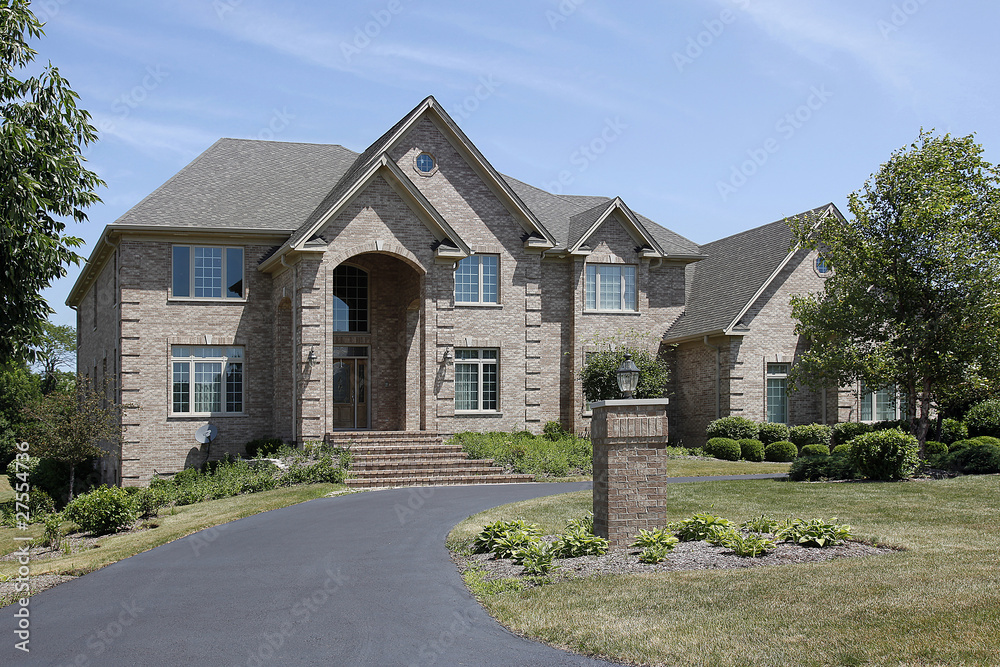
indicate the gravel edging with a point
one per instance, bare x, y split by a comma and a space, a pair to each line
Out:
685, 556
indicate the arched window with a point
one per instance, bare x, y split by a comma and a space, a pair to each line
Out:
350, 299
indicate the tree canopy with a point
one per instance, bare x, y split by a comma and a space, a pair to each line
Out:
42, 179
55, 347
912, 302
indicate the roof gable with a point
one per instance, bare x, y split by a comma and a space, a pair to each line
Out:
584, 225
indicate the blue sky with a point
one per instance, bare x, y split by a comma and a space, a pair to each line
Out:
708, 116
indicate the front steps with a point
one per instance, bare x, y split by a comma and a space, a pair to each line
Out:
384, 459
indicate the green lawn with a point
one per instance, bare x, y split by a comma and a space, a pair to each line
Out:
937, 602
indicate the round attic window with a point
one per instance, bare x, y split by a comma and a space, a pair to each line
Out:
425, 163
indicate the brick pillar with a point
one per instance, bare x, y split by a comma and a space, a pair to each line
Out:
629, 467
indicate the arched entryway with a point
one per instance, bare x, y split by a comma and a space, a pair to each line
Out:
376, 344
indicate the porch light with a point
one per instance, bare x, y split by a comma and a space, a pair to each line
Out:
627, 376
448, 359
313, 359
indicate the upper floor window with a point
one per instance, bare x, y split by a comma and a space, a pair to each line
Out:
206, 379
611, 287
476, 279
777, 393
350, 299
207, 272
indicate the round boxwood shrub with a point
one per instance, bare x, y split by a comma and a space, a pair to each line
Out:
106, 509
734, 428
781, 451
768, 433
984, 419
841, 450
844, 432
979, 458
953, 430
811, 434
726, 449
751, 450
884, 455
814, 450
809, 468
935, 452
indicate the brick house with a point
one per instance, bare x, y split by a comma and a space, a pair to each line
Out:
298, 290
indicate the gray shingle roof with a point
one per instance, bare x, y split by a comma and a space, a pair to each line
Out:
721, 286
245, 184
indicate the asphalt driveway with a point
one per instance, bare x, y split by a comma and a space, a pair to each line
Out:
360, 579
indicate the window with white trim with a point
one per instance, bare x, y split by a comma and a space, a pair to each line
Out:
207, 272
206, 379
881, 405
476, 279
611, 287
777, 393
476, 380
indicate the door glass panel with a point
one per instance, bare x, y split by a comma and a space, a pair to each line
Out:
342, 382
362, 407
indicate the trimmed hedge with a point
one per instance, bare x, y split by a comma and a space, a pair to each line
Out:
841, 450
734, 428
935, 452
813, 468
844, 432
814, 450
106, 509
781, 451
884, 455
978, 458
984, 419
726, 449
768, 433
751, 450
953, 430
811, 434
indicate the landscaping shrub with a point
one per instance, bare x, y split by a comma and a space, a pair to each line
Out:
884, 455
984, 419
106, 509
953, 430
821, 467
811, 434
723, 448
734, 428
977, 458
814, 450
844, 432
52, 477
529, 454
553, 431
781, 451
935, 453
262, 448
841, 450
52, 533
901, 424
148, 501
40, 505
699, 526
769, 433
751, 450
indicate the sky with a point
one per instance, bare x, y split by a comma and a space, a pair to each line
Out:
708, 116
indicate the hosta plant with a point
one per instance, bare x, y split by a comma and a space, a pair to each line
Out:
750, 545
574, 543
814, 533
658, 537
487, 538
719, 535
698, 527
655, 553
761, 524
584, 523
536, 557
508, 544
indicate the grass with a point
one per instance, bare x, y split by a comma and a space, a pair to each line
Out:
6, 493
937, 602
171, 525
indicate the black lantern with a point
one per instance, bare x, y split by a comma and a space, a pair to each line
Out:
628, 376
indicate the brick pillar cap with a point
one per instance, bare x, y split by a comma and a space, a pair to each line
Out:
633, 401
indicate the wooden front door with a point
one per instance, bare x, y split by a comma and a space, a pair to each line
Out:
350, 391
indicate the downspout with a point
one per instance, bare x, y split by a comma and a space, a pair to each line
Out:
295, 365
718, 373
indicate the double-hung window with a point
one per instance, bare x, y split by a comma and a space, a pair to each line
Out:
611, 287
476, 279
207, 272
777, 393
476, 380
206, 379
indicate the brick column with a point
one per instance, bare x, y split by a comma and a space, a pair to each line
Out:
629, 467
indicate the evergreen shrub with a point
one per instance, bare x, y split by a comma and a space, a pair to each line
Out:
781, 451
751, 450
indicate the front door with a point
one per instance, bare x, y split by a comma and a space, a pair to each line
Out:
350, 388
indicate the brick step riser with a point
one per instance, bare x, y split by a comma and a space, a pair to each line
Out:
439, 481
423, 472
423, 457
422, 465
392, 451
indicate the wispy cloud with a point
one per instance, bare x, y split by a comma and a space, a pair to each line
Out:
154, 138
